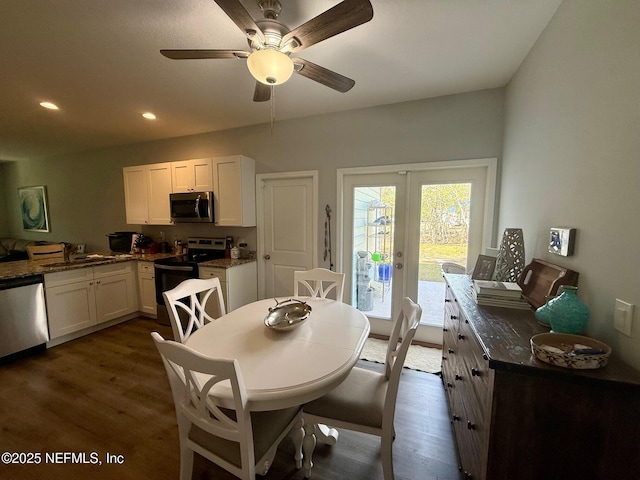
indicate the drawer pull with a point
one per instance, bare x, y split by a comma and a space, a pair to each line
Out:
471, 426
475, 372
447, 300
455, 418
445, 329
443, 357
468, 476
454, 317
458, 377
450, 350
449, 385
484, 355
460, 336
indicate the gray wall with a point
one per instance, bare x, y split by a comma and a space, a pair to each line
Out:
571, 154
86, 193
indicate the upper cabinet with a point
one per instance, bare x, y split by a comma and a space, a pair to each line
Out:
146, 194
234, 181
192, 175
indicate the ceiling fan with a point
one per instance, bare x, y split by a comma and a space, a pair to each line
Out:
272, 43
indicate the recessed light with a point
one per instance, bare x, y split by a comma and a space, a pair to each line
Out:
149, 116
49, 105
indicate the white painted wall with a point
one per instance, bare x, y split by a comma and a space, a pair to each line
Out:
86, 193
571, 154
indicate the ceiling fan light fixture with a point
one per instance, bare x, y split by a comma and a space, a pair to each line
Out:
270, 66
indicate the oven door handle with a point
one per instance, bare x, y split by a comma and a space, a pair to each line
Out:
174, 268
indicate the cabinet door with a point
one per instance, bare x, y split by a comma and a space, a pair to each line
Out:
115, 297
235, 191
242, 285
70, 308
158, 190
135, 194
212, 307
192, 175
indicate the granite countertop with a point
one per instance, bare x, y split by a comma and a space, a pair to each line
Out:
25, 268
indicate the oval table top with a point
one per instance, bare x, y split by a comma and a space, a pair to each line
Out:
285, 368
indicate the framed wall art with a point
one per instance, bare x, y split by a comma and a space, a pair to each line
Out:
561, 240
485, 266
34, 208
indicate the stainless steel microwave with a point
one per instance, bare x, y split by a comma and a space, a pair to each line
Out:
192, 207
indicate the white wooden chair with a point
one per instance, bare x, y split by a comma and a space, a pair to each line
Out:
242, 442
52, 251
190, 299
318, 282
366, 400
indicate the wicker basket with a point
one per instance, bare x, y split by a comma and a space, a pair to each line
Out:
570, 351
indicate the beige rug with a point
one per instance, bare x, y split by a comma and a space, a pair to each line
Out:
418, 357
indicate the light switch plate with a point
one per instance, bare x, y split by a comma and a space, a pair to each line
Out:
622, 317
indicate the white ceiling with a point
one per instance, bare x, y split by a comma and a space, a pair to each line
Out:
99, 61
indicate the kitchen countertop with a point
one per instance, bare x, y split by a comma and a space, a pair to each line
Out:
25, 268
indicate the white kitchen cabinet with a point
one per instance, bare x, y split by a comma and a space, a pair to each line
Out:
234, 181
70, 297
81, 298
239, 285
146, 194
194, 175
116, 292
147, 288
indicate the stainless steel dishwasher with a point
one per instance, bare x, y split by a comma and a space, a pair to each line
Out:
23, 314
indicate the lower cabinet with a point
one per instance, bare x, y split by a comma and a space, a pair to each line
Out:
81, 298
239, 285
147, 288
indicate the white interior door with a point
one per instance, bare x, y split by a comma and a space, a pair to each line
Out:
287, 230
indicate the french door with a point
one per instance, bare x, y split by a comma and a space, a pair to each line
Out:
399, 227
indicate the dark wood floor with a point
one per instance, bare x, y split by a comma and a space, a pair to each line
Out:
107, 393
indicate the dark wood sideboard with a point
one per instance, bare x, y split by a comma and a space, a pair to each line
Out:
515, 417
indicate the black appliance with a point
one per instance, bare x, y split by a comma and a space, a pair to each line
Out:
171, 271
192, 207
121, 241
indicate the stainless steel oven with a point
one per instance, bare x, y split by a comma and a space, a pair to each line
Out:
171, 271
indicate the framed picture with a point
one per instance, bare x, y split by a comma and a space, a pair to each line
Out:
33, 206
485, 265
561, 240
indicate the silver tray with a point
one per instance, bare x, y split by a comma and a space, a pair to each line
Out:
287, 314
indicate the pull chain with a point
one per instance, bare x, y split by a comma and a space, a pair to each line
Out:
273, 107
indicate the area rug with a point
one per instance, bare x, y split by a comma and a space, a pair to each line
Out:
420, 358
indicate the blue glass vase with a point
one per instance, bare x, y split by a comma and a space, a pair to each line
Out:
566, 313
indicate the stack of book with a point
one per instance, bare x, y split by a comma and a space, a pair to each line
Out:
499, 294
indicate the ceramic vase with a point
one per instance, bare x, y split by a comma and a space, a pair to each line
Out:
566, 313
510, 259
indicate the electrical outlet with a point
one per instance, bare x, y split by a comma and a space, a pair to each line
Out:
622, 317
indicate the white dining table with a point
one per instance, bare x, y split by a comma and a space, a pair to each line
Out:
285, 368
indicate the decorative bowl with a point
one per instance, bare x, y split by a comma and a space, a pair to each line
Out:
570, 351
287, 314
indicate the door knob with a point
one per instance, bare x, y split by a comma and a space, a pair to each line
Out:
267, 257
398, 266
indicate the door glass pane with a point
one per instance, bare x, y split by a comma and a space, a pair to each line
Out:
444, 238
373, 231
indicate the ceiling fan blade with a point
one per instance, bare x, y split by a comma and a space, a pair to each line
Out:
342, 17
322, 75
262, 93
236, 12
199, 54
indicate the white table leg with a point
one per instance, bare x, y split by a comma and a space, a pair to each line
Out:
327, 435
308, 446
